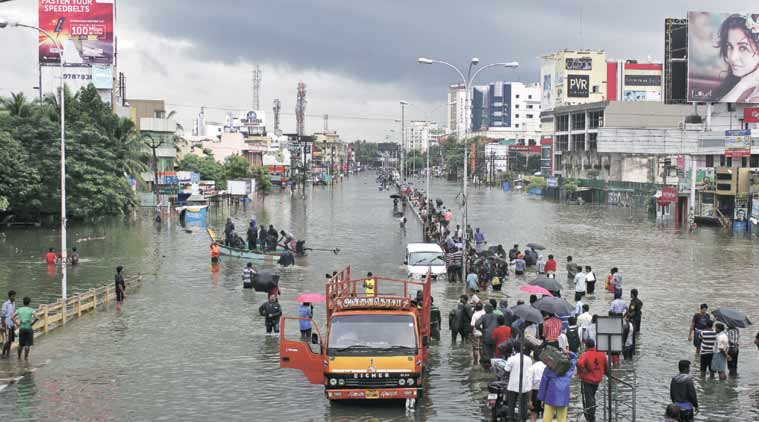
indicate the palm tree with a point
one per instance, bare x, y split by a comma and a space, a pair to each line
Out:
16, 105
130, 154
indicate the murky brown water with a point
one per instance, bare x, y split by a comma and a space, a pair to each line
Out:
190, 345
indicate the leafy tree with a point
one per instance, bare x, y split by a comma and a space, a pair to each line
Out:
263, 180
206, 166
16, 105
19, 180
237, 167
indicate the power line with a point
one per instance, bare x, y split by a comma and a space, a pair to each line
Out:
320, 116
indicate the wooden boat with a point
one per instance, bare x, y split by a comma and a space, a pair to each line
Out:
272, 256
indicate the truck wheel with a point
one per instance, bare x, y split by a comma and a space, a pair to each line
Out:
419, 394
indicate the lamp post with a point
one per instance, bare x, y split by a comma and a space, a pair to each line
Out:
403, 140
5, 23
467, 81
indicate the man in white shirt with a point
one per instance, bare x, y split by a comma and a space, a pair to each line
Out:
580, 283
513, 393
479, 311
536, 374
584, 320
590, 280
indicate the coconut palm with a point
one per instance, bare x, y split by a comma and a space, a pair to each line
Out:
16, 105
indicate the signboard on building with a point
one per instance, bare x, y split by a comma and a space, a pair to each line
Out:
632, 95
712, 77
547, 99
738, 143
579, 63
643, 80
552, 182
578, 86
83, 27
751, 115
668, 195
755, 210
102, 77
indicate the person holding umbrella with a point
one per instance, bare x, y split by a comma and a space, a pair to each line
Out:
306, 312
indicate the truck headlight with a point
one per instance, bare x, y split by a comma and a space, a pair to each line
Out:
401, 382
333, 382
410, 381
341, 382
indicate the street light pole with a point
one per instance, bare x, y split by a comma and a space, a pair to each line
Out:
403, 140
59, 47
467, 81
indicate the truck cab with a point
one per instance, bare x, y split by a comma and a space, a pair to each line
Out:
424, 257
375, 345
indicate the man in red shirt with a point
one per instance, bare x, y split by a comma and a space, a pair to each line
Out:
551, 330
591, 368
550, 265
50, 256
501, 334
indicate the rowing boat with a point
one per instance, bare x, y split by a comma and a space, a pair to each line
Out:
272, 256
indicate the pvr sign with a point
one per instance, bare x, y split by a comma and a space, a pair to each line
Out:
578, 86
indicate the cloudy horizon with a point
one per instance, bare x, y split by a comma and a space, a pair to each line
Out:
358, 62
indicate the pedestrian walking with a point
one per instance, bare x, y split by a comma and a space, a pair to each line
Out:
698, 323
252, 235
215, 252
706, 351
476, 334
25, 319
479, 240
635, 310
472, 282
618, 306
571, 269
271, 310
616, 280
8, 324
514, 252
628, 336
580, 285
536, 375
721, 346
551, 329
459, 319
590, 280
518, 365
248, 273
733, 337
120, 287
682, 392
591, 368
554, 392
520, 265
501, 334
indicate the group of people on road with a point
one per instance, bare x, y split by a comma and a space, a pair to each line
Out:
14, 318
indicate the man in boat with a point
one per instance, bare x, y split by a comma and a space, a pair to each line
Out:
252, 235
229, 229
271, 238
215, 252
287, 239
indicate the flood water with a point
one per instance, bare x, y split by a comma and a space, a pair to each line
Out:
190, 345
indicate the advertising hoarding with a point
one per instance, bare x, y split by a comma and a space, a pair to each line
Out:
643, 80
102, 77
751, 114
631, 95
723, 57
547, 100
83, 27
737, 143
579, 63
578, 86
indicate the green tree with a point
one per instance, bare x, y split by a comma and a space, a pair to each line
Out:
263, 179
206, 166
237, 167
19, 180
16, 105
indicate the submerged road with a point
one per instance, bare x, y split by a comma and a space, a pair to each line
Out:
190, 345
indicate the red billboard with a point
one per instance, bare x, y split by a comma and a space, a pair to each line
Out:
751, 114
83, 27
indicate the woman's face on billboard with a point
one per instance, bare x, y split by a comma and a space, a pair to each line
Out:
741, 53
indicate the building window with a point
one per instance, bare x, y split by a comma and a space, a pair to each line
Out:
516, 125
516, 105
754, 161
529, 116
728, 161
562, 143
722, 161
578, 121
593, 142
529, 97
578, 142
744, 161
516, 116
529, 105
710, 160
595, 89
595, 119
562, 123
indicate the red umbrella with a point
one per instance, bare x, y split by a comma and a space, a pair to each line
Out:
310, 298
535, 290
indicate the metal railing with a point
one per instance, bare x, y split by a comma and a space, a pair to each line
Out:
623, 405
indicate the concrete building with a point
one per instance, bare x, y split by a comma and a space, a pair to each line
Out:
458, 112
633, 81
572, 77
421, 133
139, 109
507, 110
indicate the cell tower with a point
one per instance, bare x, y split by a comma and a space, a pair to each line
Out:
277, 108
300, 109
256, 87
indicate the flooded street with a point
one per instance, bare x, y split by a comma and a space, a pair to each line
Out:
190, 345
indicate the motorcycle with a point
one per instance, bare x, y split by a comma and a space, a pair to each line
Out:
497, 404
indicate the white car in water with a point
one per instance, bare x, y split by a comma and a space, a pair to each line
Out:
423, 257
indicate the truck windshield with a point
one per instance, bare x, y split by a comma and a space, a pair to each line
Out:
426, 258
364, 334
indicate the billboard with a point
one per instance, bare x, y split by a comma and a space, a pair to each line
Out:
83, 27
578, 86
737, 143
643, 80
547, 100
751, 114
633, 95
579, 63
723, 56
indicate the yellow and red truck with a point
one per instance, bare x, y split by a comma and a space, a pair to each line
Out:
376, 341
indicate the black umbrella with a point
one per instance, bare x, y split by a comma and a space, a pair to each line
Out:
732, 317
527, 313
395, 196
536, 246
554, 305
549, 284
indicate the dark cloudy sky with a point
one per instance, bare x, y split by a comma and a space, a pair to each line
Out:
357, 57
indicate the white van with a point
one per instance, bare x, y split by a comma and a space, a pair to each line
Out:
421, 257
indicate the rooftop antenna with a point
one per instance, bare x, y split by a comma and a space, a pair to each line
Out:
256, 87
